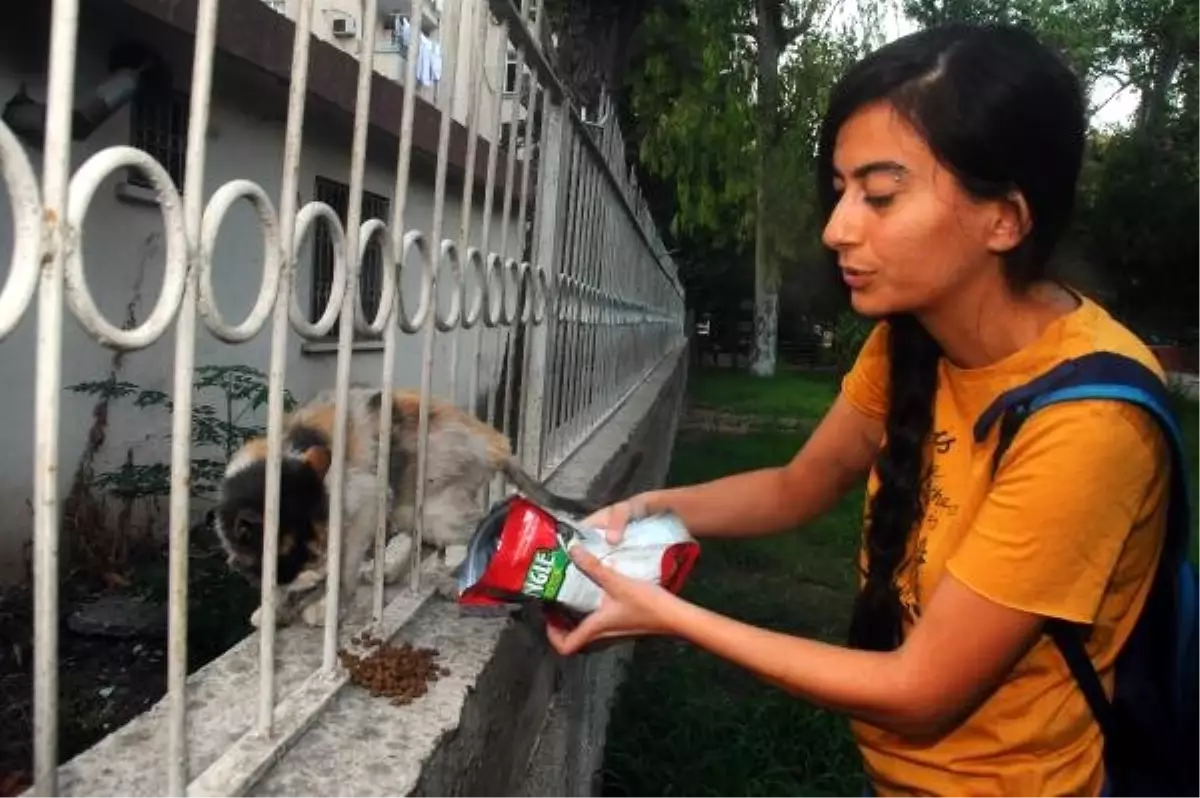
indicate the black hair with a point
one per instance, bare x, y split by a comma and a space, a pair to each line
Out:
1001, 112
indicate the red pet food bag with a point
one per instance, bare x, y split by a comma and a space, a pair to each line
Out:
519, 553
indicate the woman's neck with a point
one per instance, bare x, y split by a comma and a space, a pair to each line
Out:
987, 322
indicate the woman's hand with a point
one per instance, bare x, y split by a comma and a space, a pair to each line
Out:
630, 607
615, 517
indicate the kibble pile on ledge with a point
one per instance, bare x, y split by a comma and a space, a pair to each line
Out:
402, 673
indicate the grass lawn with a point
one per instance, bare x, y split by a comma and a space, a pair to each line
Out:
687, 723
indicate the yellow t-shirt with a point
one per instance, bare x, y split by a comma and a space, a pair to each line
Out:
1070, 528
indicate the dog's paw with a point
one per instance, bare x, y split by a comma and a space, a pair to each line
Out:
314, 614
453, 556
366, 573
445, 586
256, 618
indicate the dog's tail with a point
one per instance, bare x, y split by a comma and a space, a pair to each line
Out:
540, 494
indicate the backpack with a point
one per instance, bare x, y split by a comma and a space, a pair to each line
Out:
1150, 727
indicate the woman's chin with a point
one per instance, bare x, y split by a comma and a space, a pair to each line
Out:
871, 305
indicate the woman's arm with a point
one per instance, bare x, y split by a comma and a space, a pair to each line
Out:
1039, 546
836, 456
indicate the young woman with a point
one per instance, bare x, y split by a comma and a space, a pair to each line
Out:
948, 166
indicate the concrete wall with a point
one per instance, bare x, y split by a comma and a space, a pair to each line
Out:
439, 17
123, 252
510, 718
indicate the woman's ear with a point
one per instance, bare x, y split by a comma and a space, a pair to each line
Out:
1010, 223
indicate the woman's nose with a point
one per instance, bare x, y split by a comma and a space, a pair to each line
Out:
842, 229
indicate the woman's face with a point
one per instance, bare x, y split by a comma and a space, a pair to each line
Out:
907, 236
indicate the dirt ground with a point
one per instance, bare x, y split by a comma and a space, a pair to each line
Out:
104, 681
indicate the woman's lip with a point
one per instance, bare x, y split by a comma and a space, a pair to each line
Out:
855, 278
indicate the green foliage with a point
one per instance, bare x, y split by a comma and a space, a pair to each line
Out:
1140, 221
694, 101
700, 130
691, 101
242, 390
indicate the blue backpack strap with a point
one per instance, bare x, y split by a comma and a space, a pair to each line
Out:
1106, 375
1100, 375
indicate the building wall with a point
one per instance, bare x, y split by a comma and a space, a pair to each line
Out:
124, 257
439, 17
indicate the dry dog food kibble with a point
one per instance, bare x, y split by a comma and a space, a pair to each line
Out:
401, 673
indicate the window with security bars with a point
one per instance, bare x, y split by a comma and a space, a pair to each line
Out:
158, 126
337, 196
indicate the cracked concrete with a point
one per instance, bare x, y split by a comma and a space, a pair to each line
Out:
511, 717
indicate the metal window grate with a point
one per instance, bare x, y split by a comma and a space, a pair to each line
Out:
337, 196
158, 125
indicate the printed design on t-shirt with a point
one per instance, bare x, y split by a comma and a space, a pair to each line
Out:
938, 506
937, 503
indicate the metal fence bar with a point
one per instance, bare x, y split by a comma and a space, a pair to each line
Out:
587, 300
56, 164
574, 299
524, 286
547, 221
481, 337
435, 322
181, 429
350, 304
556, 314
571, 286
277, 369
476, 55
503, 337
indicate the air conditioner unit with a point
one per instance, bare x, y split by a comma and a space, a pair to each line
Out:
344, 27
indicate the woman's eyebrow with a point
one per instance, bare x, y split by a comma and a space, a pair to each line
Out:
875, 166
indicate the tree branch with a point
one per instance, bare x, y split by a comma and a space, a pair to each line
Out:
1100, 106
789, 35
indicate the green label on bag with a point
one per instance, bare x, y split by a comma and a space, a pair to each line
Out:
545, 576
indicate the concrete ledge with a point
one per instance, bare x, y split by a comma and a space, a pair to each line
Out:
510, 718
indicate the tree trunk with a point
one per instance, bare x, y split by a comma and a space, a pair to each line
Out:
766, 267
1152, 108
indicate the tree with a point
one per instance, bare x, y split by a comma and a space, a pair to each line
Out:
727, 101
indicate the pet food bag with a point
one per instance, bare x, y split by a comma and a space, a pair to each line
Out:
519, 553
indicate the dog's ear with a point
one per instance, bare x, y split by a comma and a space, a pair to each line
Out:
318, 459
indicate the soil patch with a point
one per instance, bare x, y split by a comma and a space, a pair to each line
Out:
112, 649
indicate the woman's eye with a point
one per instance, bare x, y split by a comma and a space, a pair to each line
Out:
879, 201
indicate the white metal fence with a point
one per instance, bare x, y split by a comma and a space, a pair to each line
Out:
583, 316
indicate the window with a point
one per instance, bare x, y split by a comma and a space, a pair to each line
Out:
337, 196
158, 125
394, 41
510, 69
